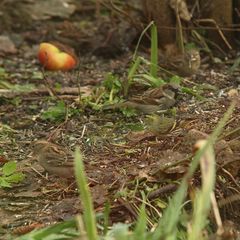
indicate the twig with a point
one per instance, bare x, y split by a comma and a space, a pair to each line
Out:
8, 93
218, 29
36, 171
216, 213
48, 86
232, 178
79, 83
83, 131
179, 32
128, 207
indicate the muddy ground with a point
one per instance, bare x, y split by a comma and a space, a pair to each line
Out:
122, 156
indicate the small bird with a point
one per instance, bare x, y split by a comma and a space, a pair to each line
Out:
151, 101
54, 158
185, 64
159, 124
190, 63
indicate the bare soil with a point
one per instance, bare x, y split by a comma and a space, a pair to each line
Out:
119, 160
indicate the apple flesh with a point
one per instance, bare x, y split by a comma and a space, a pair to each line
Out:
52, 58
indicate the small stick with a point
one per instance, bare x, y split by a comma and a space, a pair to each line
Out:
217, 216
36, 171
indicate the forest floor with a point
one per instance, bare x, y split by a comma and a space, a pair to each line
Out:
122, 156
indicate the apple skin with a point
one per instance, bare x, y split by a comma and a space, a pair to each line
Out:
52, 58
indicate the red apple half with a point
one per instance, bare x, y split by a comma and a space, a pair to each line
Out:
52, 58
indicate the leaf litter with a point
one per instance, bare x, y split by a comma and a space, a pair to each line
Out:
123, 155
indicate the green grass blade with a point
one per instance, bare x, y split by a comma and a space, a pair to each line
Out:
202, 201
168, 225
141, 226
132, 71
134, 68
140, 38
65, 230
154, 51
88, 215
106, 217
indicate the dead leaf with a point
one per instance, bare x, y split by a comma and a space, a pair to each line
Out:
139, 136
169, 165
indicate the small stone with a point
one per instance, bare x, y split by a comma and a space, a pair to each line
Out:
6, 45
